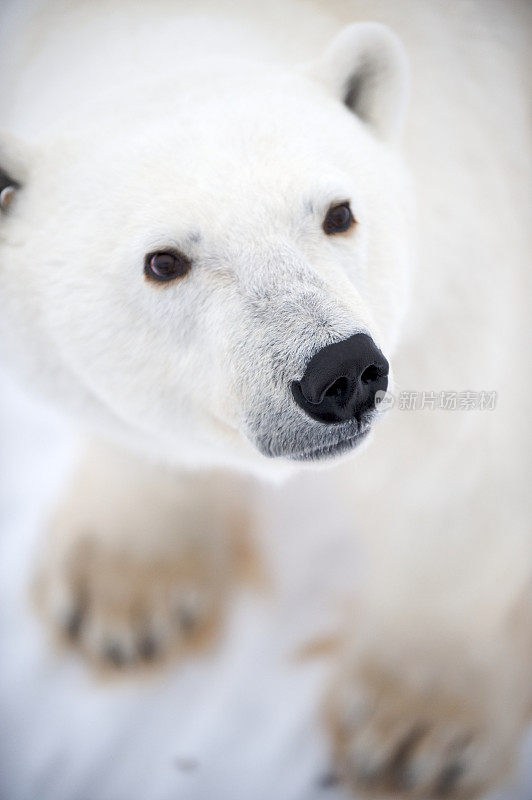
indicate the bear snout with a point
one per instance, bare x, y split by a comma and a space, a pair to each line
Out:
341, 380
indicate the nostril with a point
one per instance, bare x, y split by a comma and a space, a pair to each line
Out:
339, 390
371, 374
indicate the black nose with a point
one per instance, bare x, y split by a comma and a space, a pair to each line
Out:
341, 380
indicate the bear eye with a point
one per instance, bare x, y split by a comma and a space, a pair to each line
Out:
338, 219
166, 265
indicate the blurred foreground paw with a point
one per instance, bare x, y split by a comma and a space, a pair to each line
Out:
438, 730
124, 611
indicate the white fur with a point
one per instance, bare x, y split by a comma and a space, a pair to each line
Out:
195, 370
232, 151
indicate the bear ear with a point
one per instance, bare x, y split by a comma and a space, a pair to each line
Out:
15, 159
365, 67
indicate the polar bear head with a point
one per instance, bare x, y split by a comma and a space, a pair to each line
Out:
217, 270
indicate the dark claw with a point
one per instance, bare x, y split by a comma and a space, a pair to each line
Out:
147, 648
328, 781
114, 655
398, 769
73, 623
448, 779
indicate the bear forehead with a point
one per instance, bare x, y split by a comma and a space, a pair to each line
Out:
224, 150
216, 113
243, 141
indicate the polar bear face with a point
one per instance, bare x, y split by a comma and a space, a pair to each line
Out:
172, 277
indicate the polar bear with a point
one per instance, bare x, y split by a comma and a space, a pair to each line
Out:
207, 240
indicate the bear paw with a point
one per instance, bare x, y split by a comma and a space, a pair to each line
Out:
400, 735
124, 611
